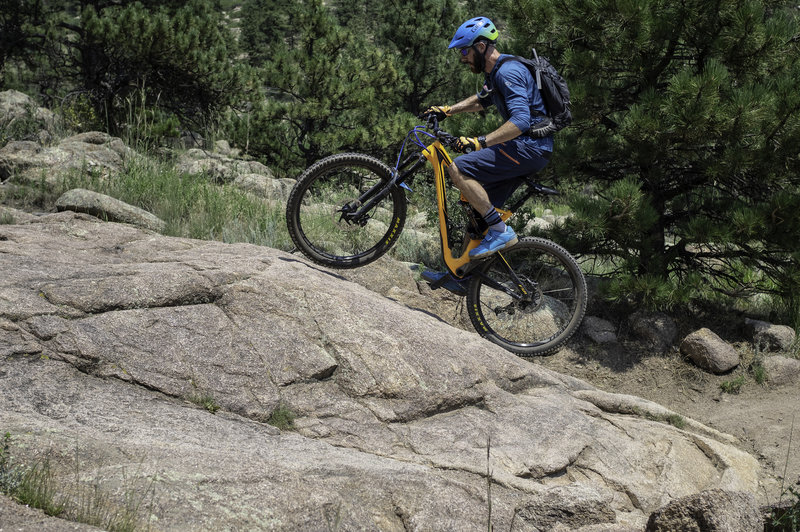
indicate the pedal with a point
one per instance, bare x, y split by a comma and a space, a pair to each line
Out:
439, 282
447, 282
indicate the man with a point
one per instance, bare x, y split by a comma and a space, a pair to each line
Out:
500, 160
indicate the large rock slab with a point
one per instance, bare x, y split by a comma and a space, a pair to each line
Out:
21, 118
107, 208
109, 334
15, 106
220, 167
224, 166
26, 161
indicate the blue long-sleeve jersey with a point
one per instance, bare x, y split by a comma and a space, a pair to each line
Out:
516, 96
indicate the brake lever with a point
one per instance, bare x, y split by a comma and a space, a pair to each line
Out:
449, 140
446, 138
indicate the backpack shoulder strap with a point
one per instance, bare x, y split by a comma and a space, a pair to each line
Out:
531, 65
509, 58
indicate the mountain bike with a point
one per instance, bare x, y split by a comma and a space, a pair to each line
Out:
349, 209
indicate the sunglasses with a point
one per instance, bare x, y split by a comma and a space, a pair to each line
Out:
465, 51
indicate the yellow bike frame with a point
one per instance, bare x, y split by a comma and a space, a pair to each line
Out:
440, 159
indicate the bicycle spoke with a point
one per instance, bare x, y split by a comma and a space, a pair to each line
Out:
324, 211
530, 298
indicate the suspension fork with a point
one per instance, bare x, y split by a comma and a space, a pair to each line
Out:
378, 192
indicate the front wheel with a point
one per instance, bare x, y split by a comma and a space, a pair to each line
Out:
529, 299
342, 213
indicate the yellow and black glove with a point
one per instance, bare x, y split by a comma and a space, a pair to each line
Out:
468, 144
439, 111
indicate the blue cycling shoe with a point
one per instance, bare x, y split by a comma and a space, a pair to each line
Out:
493, 242
456, 286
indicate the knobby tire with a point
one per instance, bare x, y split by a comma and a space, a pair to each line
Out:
529, 299
315, 218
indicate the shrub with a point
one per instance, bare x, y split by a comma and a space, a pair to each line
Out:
282, 418
733, 386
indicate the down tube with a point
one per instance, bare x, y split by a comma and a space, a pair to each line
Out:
440, 159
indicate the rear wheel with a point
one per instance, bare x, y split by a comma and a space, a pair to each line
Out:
324, 211
529, 299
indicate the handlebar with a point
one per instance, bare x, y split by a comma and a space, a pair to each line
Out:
432, 123
429, 129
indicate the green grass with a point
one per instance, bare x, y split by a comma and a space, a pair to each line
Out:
190, 206
676, 420
90, 502
759, 373
282, 418
786, 518
25, 127
10, 473
794, 350
33, 486
733, 386
206, 401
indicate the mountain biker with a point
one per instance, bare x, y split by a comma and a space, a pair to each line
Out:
500, 160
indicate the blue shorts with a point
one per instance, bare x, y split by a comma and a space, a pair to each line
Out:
501, 168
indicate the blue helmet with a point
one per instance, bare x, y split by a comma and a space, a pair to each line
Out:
472, 30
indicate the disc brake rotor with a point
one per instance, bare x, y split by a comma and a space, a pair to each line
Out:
340, 220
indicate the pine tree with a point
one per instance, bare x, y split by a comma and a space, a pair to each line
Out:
265, 25
14, 39
182, 58
177, 54
419, 32
360, 16
687, 125
328, 90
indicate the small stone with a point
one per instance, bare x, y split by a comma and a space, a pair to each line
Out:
655, 328
710, 352
600, 331
713, 510
782, 370
770, 337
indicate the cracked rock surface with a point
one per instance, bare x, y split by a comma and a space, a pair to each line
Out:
109, 334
